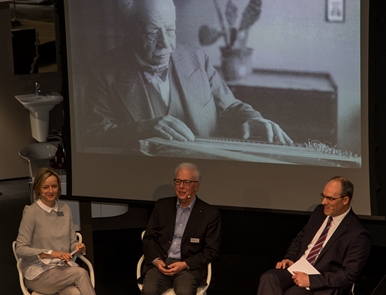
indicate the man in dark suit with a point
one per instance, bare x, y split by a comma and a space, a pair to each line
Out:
344, 248
182, 237
150, 87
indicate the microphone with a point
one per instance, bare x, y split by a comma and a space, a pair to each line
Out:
189, 197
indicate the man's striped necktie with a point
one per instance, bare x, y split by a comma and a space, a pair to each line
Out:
319, 243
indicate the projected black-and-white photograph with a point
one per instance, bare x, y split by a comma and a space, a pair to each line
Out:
275, 81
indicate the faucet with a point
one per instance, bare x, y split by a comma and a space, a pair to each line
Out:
56, 135
53, 137
38, 91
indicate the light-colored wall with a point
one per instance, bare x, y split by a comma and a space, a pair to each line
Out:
15, 130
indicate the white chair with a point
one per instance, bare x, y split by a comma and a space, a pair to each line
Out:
21, 278
200, 291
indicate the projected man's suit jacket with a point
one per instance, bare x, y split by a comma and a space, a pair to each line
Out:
117, 98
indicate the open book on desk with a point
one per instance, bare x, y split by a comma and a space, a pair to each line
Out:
304, 266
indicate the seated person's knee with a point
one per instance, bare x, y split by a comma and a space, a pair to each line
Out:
268, 276
185, 291
150, 289
81, 272
71, 290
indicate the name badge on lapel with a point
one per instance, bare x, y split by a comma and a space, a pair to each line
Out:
195, 240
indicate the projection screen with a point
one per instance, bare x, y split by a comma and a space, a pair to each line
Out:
306, 72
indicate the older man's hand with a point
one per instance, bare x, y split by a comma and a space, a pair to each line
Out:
161, 266
266, 130
167, 127
171, 269
177, 267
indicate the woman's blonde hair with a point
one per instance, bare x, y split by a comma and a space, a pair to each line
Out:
41, 176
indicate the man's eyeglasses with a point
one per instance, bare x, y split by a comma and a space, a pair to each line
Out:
154, 34
330, 199
184, 182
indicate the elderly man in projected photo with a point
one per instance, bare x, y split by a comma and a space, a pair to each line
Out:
150, 87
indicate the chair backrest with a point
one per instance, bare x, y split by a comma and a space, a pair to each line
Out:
86, 261
200, 291
21, 278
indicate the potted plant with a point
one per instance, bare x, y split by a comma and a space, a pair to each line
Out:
236, 55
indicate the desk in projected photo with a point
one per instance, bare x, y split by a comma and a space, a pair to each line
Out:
313, 153
303, 104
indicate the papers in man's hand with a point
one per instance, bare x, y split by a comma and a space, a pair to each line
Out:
304, 266
73, 252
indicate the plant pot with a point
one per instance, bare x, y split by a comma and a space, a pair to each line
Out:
236, 63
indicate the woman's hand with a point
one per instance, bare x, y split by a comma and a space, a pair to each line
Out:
65, 256
81, 248
61, 255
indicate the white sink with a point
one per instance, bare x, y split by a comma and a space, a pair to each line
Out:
39, 151
39, 107
39, 103
38, 155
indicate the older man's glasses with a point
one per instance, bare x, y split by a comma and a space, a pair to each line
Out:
154, 34
330, 199
184, 182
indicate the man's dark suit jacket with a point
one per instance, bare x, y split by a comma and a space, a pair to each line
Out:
201, 240
342, 258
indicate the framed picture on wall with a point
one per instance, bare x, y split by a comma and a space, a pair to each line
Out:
335, 10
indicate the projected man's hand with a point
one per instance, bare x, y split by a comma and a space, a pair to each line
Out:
266, 129
167, 127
